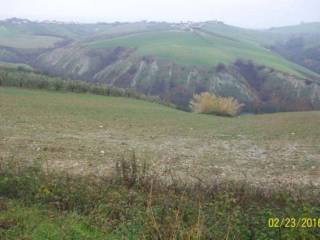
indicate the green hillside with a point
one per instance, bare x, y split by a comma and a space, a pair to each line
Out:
303, 28
298, 43
199, 48
256, 37
266, 37
301, 44
208, 43
173, 61
77, 31
14, 39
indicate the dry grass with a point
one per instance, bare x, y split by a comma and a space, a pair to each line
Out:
137, 198
209, 103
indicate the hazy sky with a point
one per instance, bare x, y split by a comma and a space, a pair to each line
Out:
245, 13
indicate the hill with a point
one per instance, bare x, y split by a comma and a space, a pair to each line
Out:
81, 166
174, 61
301, 45
17, 34
73, 129
198, 48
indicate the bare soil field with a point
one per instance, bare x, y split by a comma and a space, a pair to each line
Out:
86, 134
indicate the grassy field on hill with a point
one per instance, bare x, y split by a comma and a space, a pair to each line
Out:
207, 44
256, 37
10, 38
14, 66
77, 190
199, 48
303, 28
72, 130
264, 37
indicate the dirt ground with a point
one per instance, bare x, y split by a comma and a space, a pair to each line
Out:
66, 132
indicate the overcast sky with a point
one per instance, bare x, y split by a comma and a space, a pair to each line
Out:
245, 13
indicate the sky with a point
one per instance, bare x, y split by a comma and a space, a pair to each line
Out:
243, 13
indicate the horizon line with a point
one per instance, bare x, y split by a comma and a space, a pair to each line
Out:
147, 21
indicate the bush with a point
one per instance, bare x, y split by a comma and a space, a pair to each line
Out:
211, 104
27, 79
221, 68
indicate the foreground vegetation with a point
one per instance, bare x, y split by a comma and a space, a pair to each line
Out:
82, 166
20, 76
133, 204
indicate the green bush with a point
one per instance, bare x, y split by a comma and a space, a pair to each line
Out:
29, 79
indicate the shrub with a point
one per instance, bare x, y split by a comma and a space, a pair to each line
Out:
57, 85
31, 79
221, 67
211, 104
